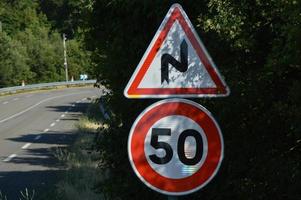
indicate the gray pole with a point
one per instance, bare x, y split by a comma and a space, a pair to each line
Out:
65, 56
0, 26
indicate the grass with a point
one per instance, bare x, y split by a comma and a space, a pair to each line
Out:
24, 195
81, 160
2, 197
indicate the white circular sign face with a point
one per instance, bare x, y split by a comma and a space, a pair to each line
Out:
175, 168
175, 146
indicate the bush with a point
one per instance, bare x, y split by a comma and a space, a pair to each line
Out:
257, 48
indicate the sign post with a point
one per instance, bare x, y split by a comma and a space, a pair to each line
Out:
175, 146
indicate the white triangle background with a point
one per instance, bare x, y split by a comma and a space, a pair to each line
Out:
195, 77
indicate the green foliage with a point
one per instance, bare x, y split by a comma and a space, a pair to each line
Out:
256, 45
44, 53
13, 61
67, 16
19, 15
31, 48
78, 60
34, 54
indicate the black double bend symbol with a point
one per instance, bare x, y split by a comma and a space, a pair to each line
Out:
167, 59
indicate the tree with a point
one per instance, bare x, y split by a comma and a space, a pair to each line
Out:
78, 59
256, 45
13, 62
45, 54
37, 43
67, 16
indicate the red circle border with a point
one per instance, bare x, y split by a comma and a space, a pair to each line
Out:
163, 109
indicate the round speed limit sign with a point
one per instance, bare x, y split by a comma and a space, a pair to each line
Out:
175, 146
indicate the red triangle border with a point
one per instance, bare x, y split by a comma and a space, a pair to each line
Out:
220, 90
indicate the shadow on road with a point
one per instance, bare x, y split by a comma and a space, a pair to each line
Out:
39, 167
36, 167
51, 137
80, 107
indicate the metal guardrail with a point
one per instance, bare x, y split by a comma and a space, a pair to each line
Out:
11, 90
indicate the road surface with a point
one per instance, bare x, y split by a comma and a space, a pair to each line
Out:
31, 125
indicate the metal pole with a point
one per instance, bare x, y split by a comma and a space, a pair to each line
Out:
0, 26
65, 56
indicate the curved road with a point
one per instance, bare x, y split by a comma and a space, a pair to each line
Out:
30, 125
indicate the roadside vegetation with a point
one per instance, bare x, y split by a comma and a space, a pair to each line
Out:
81, 160
257, 47
31, 46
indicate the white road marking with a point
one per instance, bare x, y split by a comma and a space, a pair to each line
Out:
15, 99
46, 130
9, 158
53, 124
57, 120
37, 137
62, 115
5, 102
35, 105
26, 145
84, 99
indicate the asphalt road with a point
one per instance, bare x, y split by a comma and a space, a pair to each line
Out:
31, 126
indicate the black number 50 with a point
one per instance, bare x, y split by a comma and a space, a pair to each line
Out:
156, 132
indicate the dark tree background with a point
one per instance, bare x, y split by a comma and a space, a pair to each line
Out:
256, 45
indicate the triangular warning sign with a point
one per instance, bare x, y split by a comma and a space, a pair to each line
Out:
176, 64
